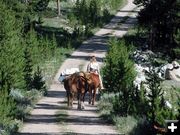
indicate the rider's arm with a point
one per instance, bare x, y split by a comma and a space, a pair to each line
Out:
88, 67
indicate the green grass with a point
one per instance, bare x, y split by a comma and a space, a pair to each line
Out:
124, 124
50, 67
172, 94
55, 22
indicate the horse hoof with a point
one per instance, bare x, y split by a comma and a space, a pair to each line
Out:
79, 108
70, 107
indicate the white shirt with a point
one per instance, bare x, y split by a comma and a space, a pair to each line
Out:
93, 66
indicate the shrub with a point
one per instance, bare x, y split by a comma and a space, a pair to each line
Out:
38, 82
7, 112
176, 52
157, 111
106, 15
94, 12
118, 75
118, 72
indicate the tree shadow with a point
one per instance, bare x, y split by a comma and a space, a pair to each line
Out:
36, 119
73, 133
128, 11
37, 134
56, 94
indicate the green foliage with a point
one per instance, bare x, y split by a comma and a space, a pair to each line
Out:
28, 69
38, 82
19, 54
176, 52
10, 49
161, 18
106, 15
40, 5
118, 75
118, 72
125, 124
81, 11
157, 112
7, 105
123, 99
94, 12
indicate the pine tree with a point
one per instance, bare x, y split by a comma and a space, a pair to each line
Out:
28, 69
83, 10
38, 82
93, 12
161, 18
119, 69
155, 94
118, 75
7, 105
11, 48
157, 111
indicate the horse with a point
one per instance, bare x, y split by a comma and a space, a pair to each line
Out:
76, 84
93, 84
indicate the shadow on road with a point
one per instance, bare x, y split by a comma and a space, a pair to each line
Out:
66, 133
72, 133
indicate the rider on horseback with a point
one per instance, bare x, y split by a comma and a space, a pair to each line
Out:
93, 66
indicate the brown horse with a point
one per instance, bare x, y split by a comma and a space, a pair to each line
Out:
76, 84
93, 85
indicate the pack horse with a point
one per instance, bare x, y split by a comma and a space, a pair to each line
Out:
77, 84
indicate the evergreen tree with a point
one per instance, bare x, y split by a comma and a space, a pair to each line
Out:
157, 111
77, 8
155, 94
28, 69
118, 75
11, 48
161, 18
83, 12
93, 12
119, 69
38, 82
7, 105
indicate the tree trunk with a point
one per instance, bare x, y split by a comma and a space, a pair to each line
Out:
58, 7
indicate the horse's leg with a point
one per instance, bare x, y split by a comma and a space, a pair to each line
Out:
94, 96
68, 98
82, 101
90, 96
71, 100
79, 100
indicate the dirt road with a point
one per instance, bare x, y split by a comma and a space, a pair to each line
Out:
44, 118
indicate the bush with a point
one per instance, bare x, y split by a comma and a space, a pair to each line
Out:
118, 75
106, 15
157, 111
38, 82
7, 111
128, 124
176, 52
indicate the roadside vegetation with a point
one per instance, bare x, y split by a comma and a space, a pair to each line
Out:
141, 110
34, 41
